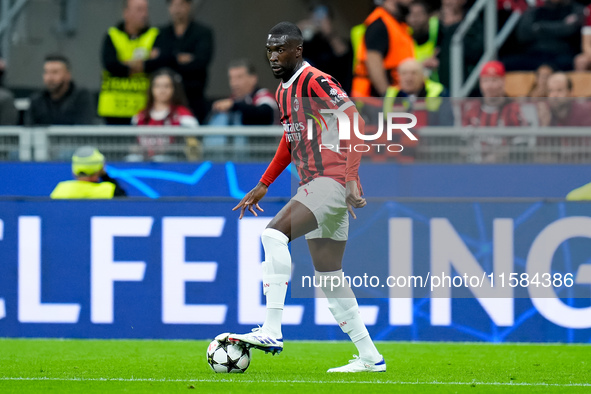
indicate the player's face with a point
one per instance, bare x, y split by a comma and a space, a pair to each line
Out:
283, 55
162, 89
55, 75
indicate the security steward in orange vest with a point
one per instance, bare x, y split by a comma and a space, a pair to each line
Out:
386, 44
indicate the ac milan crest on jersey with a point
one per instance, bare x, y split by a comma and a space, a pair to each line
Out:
296, 104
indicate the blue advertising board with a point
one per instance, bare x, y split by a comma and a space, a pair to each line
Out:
379, 180
191, 269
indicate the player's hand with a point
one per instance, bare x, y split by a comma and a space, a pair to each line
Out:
251, 200
353, 199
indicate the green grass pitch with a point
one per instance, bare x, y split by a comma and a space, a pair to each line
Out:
103, 366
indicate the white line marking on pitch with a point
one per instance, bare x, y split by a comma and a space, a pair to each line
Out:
290, 381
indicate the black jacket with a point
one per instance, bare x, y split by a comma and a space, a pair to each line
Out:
544, 29
74, 108
198, 41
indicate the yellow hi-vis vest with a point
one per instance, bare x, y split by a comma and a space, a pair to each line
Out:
357, 34
83, 189
124, 97
432, 102
582, 193
427, 50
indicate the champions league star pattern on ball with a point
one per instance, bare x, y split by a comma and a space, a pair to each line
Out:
226, 357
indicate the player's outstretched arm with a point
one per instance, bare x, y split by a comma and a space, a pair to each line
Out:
251, 200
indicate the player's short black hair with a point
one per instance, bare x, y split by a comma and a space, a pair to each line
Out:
56, 57
250, 69
291, 30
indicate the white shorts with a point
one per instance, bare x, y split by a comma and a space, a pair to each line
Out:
325, 197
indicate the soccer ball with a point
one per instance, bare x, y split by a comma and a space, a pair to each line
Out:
226, 357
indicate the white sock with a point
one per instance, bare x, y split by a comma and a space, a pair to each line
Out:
343, 306
276, 274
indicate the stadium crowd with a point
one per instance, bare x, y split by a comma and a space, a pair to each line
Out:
401, 52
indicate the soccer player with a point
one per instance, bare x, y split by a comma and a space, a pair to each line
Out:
328, 192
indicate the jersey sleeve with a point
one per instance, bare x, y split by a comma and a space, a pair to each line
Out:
328, 90
279, 163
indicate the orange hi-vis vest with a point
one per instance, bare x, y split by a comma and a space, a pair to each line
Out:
401, 47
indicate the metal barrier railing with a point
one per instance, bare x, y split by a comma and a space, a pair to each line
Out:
16, 144
492, 42
435, 145
246, 143
504, 145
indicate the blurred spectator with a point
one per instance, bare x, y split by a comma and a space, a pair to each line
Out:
561, 109
450, 16
249, 104
187, 47
549, 33
583, 60
540, 87
385, 45
128, 54
166, 106
325, 49
8, 112
425, 33
512, 5
92, 181
494, 109
420, 96
61, 102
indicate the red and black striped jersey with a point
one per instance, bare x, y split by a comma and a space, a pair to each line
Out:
312, 137
476, 113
